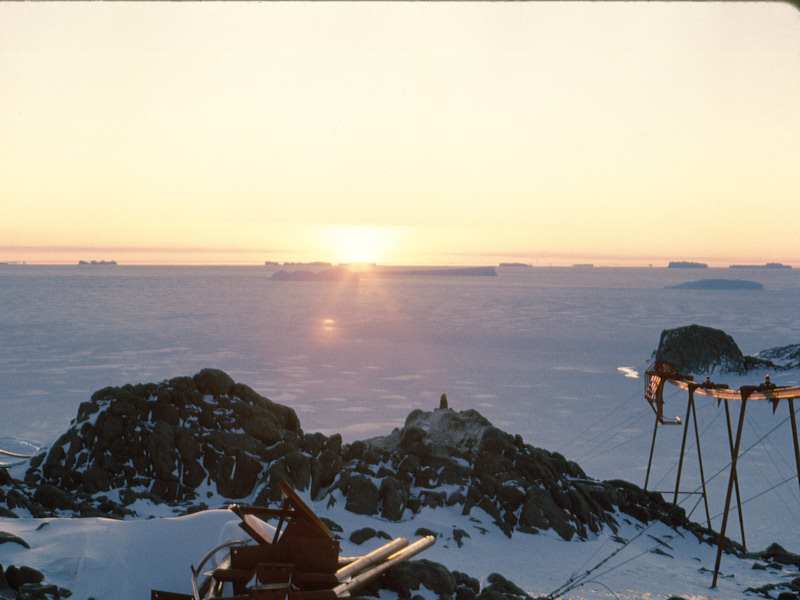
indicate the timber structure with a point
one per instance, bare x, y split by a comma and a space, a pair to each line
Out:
663, 372
297, 559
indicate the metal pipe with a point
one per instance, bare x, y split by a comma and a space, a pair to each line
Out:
794, 436
736, 479
652, 448
730, 491
343, 590
700, 461
206, 558
683, 444
371, 559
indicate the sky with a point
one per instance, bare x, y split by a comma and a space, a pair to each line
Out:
400, 133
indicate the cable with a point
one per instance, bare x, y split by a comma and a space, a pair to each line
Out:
609, 414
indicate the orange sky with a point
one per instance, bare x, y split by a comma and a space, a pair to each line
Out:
417, 133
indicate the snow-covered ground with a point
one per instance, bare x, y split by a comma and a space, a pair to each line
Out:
108, 559
555, 355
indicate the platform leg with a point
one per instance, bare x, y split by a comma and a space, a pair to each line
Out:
731, 479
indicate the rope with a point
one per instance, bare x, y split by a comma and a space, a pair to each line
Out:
14, 454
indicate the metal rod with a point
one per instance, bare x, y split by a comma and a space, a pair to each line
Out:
794, 436
731, 479
700, 461
736, 479
206, 558
683, 444
652, 448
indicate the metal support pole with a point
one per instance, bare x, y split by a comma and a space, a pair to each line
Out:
736, 478
794, 437
730, 491
652, 448
700, 461
683, 444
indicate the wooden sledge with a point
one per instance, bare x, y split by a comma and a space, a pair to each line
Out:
298, 559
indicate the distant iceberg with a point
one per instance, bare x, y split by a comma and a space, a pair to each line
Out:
333, 274
685, 264
717, 284
771, 265
439, 272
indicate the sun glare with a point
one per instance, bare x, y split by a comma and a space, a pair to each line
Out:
360, 244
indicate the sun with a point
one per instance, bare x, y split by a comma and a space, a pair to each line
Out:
360, 243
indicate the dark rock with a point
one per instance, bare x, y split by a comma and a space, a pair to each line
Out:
263, 428
6, 537
298, 469
334, 444
355, 450
313, 443
163, 490
19, 576
500, 587
459, 535
410, 575
6, 591
699, 349
541, 512
52, 498
464, 593
510, 497
496, 441
409, 464
246, 471
359, 536
393, 497
776, 553
362, 496
324, 470
213, 382
160, 447
167, 413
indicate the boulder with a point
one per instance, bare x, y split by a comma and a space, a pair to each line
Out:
19, 576
213, 382
362, 496
50, 497
11, 538
393, 496
410, 575
701, 350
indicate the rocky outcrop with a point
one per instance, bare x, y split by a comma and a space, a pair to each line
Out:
703, 350
787, 357
193, 440
165, 441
